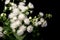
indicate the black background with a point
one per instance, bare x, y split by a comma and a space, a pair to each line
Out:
45, 6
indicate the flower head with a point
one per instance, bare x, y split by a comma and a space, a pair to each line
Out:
30, 28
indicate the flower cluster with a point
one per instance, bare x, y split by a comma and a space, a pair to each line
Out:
19, 20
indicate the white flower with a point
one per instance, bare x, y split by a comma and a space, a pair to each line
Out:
11, 15
26, 21
30, 29
13, 5
18, 22
20, 32
41, 19
16, 11
22, 3
21, 17
23, 28
15, 24
39, 22
1, 29
13, 19
41, 14
44, 24
7, 1
1, 34
30, 5
22, 8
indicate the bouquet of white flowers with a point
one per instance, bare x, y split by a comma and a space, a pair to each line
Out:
18, 23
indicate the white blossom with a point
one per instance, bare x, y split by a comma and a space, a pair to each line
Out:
15, 24
11, 15
16, 11
1, 29
39, 22
44, 24
23, 28
20, 32
30, 28
41, 19
21, 17
13, 5
22, 8
22, 3
26, 21
1, 34
13, 19
7, 1
30, 5
41, 14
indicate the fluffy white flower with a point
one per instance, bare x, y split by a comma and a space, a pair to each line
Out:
22, 3
16, 11
44, 24
41, 19
39, 22
30, 28
30, 5
22, 8
26, 21
21, 17
20, 32
41, 14
23, 28
11, 15
13, 5
13, 19
7, 1
1, 29
1, 34
15, 24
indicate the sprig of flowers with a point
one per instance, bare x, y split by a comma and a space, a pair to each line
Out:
18, 21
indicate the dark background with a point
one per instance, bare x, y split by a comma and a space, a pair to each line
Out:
45, 6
